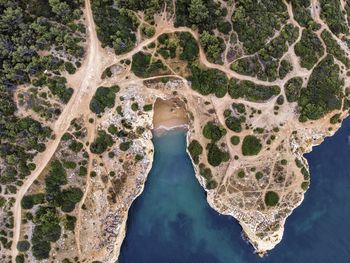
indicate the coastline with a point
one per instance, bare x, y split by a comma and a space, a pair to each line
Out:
176, 120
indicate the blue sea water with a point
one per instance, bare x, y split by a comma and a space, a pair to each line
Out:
171, 221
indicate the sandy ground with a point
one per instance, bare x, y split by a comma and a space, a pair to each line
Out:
168, 114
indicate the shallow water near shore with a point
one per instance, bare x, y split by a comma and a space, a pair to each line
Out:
171, 221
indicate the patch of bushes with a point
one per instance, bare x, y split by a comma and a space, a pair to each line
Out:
189, 46
215, 155
235, 140
195, 149
251, 145
323, 93
103, 98
292, 89
143, 67
251, 91
207, 81
213, 132
256, 22
309, 49
115, 26
334, 49
101, 143
271, 198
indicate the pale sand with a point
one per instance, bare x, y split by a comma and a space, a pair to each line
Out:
169, 114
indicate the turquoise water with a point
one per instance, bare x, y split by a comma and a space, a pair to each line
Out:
171, 221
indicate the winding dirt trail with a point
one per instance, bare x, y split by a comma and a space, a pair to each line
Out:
84, 79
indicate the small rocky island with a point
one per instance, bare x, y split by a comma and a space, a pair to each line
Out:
257, 84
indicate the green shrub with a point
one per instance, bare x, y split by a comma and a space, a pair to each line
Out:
292, 89
23, 245
251, 145
148, 107
195, 149
189, 46
103, 98
235, 140
101, 143
309, 49
213, 132
208, 81
143, 67
323, 92
215, 155
124, 146
251, 91
271, 198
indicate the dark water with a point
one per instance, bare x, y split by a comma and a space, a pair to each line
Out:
171, 221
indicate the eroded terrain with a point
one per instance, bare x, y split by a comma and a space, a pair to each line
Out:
261, 83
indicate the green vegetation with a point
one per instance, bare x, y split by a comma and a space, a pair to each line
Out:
213, 46
189, 46
234, 123
259, 175
334, 49
195, 149
302, 14
241, 174
103, 98
271, 198
309, 49
323, 92
251, 145
207, 174
256, 22
46, 230
265, 63
57, 85
101, 143
251, 91
335, 118
148, 107
124, 146
332, 15
29, 201
143, 67
115, 26
23, 246
292, 89
213, 132
207, 81
305, 185
215, 155
235, 140
69, 222
285, 68
204, 14
167, 45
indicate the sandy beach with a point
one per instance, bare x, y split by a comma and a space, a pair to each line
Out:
169, 114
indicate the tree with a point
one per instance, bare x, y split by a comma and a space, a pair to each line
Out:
198, 11
251, 145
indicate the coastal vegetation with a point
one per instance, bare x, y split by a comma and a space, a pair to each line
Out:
271, 198
251, 145
195, 149
251, 91
207, 81
103, 98
309, 49
143, 66
323, 92
115, 27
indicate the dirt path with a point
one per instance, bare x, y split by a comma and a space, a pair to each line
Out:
84, 80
